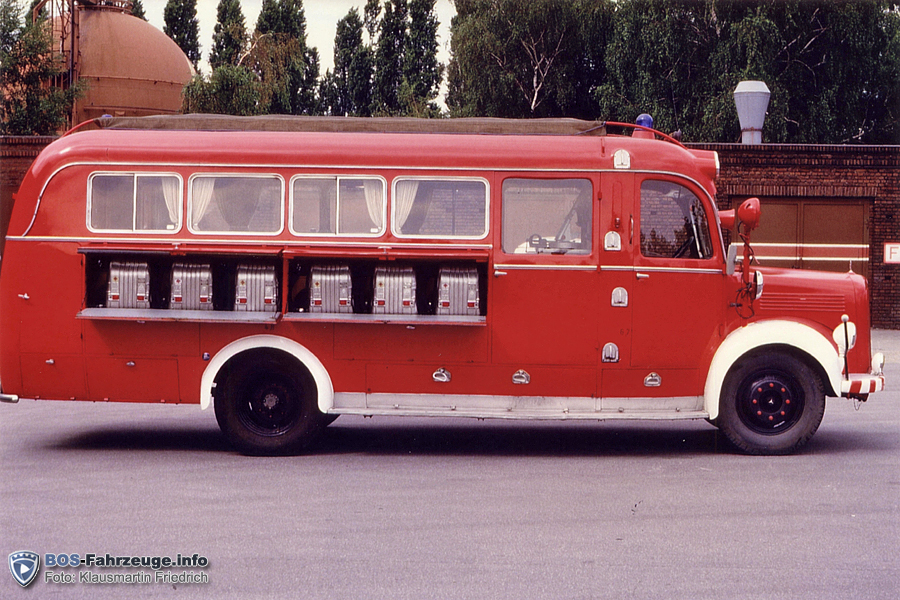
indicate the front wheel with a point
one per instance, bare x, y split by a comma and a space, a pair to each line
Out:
771, 404
268, 405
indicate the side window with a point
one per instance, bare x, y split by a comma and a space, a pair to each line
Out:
337, 206
551, 216
236, 204
440, 208
129, 202
673, 222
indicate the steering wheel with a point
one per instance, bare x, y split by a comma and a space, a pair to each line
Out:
536, 241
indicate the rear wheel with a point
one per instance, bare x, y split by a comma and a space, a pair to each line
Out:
268, 404
771, 404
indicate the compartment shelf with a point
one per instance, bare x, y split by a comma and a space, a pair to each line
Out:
162, 314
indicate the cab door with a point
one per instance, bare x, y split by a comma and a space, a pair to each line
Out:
678, 282
544, 283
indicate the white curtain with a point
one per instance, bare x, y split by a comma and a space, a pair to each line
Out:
403, 200
170, 188
201, 196
374, 201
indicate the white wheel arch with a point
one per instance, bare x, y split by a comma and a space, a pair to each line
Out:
298, 351
768, 333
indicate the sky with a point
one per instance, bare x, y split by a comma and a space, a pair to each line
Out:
321, 22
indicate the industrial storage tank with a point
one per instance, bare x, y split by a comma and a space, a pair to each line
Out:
128, 66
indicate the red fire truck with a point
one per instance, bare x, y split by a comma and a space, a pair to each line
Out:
538, 270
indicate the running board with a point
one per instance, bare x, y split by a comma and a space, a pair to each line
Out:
526, 415
519, 407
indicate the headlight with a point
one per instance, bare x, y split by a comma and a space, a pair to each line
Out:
842, 335
878, 364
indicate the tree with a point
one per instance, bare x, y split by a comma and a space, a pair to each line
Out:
514, 59
28, 106
422, 73
370, 18
348, 91
286, 66
659, 62
229, 35
182, 25
230, 90
10, 25
832, 67
389, 58
137, 10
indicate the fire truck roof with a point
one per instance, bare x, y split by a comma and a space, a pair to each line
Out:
475, 125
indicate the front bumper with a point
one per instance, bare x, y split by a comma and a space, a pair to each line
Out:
860, 386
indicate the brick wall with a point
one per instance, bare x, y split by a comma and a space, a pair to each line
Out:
16, 155
865, 173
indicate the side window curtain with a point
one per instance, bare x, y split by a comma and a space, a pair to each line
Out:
131, 202
352, 205
441, 208
673, 222
237, 204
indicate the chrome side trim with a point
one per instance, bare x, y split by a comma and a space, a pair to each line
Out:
661, 269
546, 267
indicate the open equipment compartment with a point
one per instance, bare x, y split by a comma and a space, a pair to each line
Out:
140, 285
372, 290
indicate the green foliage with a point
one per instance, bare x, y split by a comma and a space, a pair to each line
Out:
348, 91
229, 35
10, 25
659, 62
422, 73
525, 59
230, 90
833, 67
137, 10
286, 67
28, 106
389, 59
407, 74
370, 18
182, 25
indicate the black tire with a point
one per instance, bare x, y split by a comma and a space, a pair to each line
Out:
771, 404
267, 406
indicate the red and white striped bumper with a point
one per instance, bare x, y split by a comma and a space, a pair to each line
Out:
861, 385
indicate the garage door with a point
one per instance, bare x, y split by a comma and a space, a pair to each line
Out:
827, 235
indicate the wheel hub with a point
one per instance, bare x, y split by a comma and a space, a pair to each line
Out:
269, 409
770, 404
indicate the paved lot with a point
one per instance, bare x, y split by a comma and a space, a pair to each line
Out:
393, 508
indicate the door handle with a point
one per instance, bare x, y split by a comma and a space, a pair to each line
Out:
499, 273
642, 275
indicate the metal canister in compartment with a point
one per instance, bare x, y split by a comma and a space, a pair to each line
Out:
256, 288
395, 291
458, 291
128, 285
192, 287
330, 289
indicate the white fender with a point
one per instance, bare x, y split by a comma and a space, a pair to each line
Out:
301, 353
767, 333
